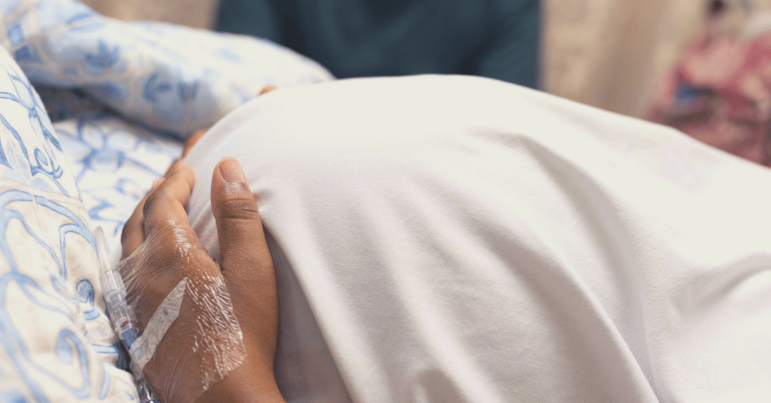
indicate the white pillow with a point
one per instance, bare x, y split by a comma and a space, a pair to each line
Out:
56, 343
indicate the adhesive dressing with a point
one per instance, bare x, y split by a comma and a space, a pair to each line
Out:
171, 308
144, 347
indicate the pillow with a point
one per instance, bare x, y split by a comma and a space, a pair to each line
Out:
167, 77
56, 343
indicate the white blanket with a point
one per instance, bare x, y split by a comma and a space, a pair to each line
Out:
460, 239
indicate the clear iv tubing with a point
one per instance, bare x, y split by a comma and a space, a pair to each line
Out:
123, 318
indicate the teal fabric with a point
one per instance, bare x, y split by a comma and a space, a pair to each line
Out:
361, 38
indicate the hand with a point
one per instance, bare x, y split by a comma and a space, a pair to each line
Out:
169, 251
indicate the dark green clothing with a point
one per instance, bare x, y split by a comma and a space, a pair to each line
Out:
360, 38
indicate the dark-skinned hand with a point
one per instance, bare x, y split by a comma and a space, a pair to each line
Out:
162, 249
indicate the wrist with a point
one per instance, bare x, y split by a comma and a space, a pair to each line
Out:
248, 383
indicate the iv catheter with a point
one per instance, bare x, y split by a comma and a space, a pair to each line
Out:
122, 315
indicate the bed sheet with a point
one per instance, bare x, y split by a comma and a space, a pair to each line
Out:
56, 343
488, 243
114, 164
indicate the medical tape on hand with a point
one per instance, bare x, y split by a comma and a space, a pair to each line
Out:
198, 314
144, 347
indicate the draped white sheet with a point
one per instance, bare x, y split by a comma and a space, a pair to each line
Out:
462, 239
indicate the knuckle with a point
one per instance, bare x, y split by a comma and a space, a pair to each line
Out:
248, 257
151, 200
154, 200
182, 172
238, 209
186, 169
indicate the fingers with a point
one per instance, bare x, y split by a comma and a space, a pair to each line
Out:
174, 166
245, 259
267, 89
133, 234
239, 225
167, 202
244, 255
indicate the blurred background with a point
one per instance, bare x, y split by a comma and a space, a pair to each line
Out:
607, 53
691, 64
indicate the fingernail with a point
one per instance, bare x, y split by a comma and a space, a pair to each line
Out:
231, 170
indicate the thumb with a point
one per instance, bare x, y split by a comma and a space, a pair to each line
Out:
245, 260
243, 250
238, 221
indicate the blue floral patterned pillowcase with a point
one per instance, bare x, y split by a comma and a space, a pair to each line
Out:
56, 343
114, 164
167, 77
